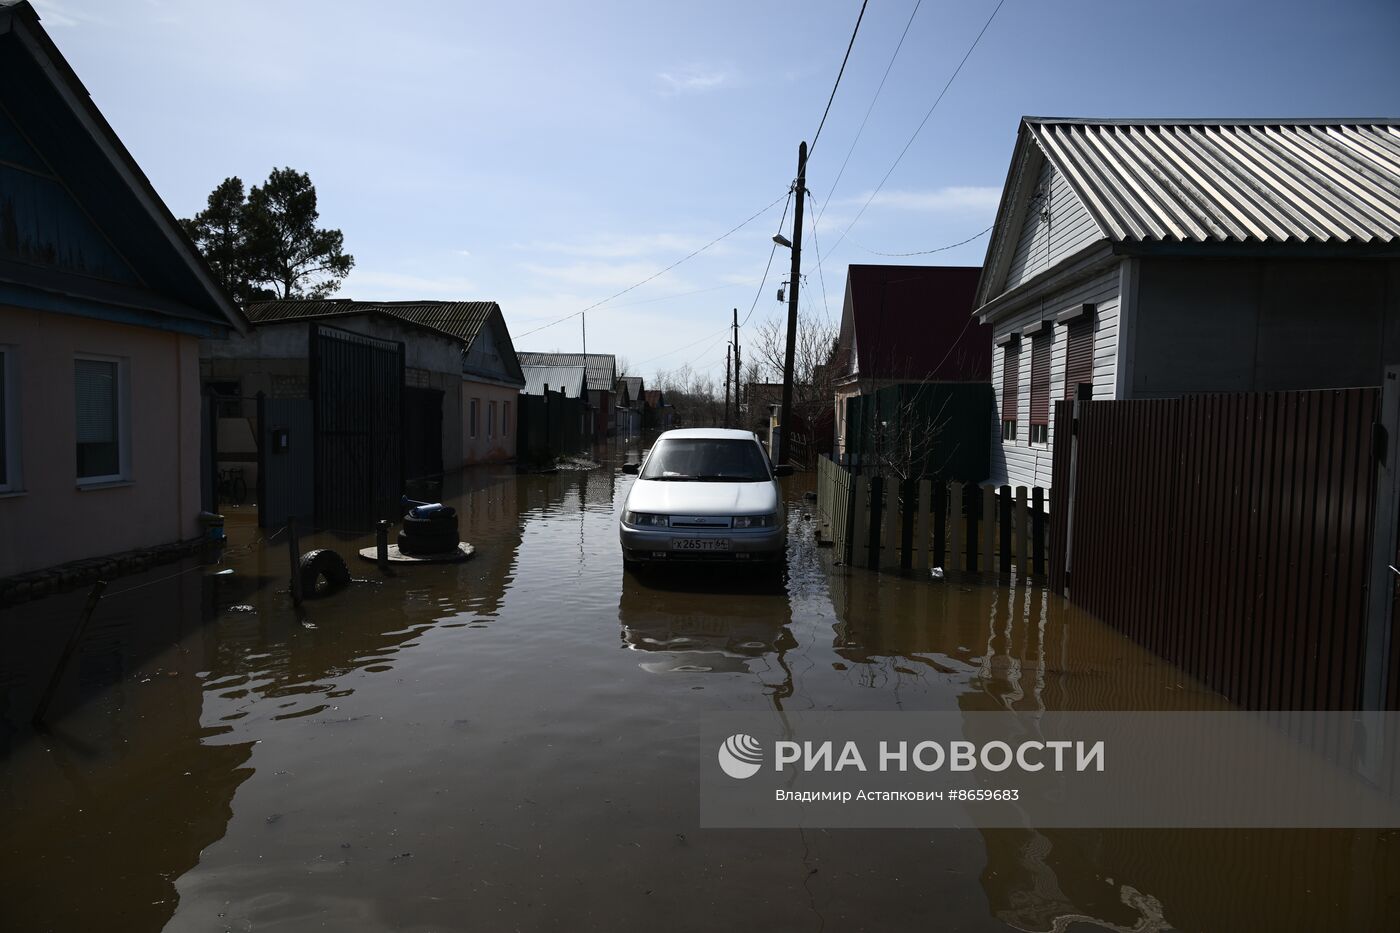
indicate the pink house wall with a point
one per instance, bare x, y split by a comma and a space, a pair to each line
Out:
51, 519
488, 446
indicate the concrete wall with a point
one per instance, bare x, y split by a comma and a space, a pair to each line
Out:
1020, 462
494, 445
1244, 325
52, 520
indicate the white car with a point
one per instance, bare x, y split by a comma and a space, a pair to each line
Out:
704, 494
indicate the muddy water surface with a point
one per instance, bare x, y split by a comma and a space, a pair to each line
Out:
510, 744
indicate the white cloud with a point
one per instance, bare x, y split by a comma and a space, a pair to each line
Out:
695, 79
952, 199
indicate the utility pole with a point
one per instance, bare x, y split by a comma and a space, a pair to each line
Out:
728, 355
738, 374
785, 416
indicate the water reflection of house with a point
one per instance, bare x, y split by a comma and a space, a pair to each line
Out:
131, 787
103, 300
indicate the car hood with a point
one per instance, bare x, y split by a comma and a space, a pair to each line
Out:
695, 498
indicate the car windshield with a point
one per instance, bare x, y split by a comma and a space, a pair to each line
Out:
707, 459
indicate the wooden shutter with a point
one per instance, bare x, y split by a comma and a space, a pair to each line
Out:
1040, 377
1079, 355
1010, 379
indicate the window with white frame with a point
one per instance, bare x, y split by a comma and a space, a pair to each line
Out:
9, 422
99, 389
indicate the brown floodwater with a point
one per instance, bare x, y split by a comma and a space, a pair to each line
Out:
510, 744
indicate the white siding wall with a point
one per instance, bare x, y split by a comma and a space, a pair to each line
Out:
1018, 462
1047, 236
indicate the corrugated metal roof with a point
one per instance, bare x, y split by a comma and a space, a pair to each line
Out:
568, 378
461, 319
600, 366
634, 387
1240, 181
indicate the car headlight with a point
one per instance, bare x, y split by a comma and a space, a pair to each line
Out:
756, 521
646, 518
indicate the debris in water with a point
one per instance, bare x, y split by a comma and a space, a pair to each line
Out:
936, 573
242, 607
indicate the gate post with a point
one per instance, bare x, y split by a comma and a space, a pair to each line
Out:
1381, 592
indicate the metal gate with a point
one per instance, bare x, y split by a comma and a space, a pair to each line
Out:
286, 465
357, 406
422, 433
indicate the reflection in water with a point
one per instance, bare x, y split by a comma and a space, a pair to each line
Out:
705, 618
487, 746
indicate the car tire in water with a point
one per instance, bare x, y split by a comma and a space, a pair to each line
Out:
323, 571
435, 542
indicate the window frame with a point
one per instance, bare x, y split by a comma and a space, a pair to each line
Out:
473, 414
123, 426
1042, 351
10, 459
490, 419
505, 419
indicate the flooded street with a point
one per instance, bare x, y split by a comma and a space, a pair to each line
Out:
510, 743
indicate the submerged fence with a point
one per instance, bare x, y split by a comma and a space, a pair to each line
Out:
893, 524
1231, 535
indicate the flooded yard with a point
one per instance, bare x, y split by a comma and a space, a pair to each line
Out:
510, 744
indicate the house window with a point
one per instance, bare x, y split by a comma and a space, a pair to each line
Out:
472, 410
98, 385
505, 420
1079, 356
1010, 386
1040, 386
490, 420
9, 423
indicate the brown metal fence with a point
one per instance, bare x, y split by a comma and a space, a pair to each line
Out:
1227, 533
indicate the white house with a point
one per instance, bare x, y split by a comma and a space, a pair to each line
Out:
1154, 258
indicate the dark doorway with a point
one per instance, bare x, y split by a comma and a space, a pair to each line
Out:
422, 433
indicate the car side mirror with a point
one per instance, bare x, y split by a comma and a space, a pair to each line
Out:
784, 470
632, 468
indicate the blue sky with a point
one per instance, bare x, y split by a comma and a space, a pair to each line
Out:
547, 154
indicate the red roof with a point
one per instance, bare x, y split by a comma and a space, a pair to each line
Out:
915, 323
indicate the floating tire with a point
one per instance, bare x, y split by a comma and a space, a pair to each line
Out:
323, 571
435, 543
436, 521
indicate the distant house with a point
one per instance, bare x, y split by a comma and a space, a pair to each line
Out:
908, 354
601, 379
661, 414
478, 390
103, 300
1151, 258
554, 419
631, 406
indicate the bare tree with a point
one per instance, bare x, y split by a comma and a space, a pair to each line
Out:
813, 377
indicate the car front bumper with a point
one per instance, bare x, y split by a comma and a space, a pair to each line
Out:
745, 544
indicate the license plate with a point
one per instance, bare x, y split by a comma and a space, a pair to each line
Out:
700, 544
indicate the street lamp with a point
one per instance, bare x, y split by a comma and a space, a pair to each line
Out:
782, 240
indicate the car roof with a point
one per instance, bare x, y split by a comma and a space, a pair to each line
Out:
710, 433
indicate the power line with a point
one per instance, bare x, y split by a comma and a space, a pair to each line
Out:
925, 252
821, 276
919, 129
845, 59
766, 269
688, 256
869, 110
